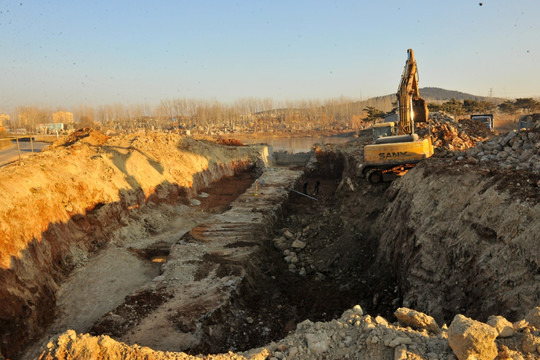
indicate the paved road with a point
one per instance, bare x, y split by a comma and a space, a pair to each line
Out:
12, 154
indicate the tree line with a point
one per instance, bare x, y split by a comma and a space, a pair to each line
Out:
248, 114
468, 107
251, 114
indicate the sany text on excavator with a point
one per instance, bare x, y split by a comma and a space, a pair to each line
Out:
393, 156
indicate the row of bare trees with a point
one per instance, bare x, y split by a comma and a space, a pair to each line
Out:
248, 114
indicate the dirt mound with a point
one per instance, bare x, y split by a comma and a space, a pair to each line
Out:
87, 136
71, 345
230, 142
475, 128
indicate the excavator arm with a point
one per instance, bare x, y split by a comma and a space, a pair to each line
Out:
411, 106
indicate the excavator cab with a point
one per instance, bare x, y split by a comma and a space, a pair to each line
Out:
383, 129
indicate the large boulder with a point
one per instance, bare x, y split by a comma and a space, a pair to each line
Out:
471, 339
417, 320
533, 317
530, 342
504, 327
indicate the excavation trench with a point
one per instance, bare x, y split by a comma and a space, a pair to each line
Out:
237, 269
247, 261
256, 268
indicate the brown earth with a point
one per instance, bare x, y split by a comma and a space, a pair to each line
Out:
5, 144
449, 238
229, 141
68, 201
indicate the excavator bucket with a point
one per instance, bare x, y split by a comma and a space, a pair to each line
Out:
420, 110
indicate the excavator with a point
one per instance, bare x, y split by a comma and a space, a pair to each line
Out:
392, 156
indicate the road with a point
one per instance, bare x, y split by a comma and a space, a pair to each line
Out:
12, 154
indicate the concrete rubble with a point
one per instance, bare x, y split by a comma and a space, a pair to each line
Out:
514, 150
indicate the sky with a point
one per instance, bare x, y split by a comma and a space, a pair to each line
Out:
66, 53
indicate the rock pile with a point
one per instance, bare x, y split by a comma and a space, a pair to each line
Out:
355, 335
473, 142
291, 245
518, 150
294, 244
414, 336
451, 135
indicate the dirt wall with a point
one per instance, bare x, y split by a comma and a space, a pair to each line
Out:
461, 240
69, 199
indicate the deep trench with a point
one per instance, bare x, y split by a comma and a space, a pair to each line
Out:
340, 272
272, 300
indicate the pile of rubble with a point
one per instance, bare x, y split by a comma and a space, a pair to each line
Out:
451, 135
414, 336
294, 244
355, 336
291, 246
519, 150
473, 142
82, 136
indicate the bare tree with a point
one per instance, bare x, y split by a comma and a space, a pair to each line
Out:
29, 117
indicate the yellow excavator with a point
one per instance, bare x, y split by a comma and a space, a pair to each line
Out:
393, 156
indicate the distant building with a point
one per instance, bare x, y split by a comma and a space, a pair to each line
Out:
63, 117
4, 119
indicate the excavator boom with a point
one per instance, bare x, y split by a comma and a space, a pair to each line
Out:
412, 108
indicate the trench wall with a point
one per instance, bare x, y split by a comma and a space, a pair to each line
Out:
74, 197
458, 238
459, 243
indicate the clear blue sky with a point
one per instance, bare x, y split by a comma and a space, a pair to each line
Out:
64, 53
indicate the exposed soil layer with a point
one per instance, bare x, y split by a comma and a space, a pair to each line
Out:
473, 253
224, 191
209, 273
70, 201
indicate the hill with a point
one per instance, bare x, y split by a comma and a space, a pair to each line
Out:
430, 94
434, 93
